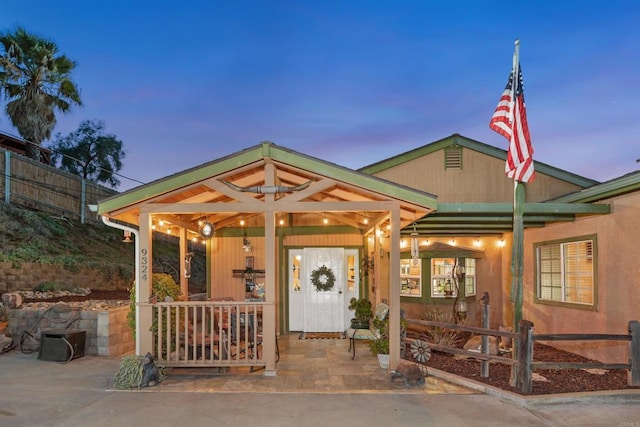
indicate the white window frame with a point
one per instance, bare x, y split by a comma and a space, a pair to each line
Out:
410, 278
440, 275
470, 286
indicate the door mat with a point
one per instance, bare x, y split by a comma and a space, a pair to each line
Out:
321, 335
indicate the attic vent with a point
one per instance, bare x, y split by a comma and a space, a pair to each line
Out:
453, 158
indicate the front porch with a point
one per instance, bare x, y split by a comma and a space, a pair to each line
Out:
305, 366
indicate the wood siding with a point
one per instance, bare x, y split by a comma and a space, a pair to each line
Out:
481, 179
227, 255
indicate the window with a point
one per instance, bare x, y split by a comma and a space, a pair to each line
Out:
411, 278
351, 273
565, 272
470, 277
442, 279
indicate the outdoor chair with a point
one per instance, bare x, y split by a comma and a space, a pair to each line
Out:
200, 345
247, 323
370, 334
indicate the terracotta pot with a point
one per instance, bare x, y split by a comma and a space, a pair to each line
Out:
3, 327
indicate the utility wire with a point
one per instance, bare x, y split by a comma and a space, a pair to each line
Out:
70, 157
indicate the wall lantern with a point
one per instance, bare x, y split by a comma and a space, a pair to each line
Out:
448, 288
460, 305
246, 245
127, 236
461, 309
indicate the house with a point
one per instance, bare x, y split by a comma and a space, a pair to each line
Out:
19, 146
313, 234
580, 241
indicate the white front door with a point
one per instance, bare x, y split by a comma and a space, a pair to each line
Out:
323, 309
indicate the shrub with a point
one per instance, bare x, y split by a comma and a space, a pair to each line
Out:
438, 335
49, 287
130, 373
381, 345
162, 286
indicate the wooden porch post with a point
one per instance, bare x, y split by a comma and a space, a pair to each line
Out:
269, 309
184, 281
144, 338
394, 289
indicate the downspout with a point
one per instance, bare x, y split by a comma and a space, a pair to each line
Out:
136, 240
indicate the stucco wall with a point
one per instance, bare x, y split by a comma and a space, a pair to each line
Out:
618, 283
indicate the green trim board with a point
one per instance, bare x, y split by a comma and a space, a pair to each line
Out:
616, 187
474, 219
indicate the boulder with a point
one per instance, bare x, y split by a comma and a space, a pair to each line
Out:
475, 344
12, 300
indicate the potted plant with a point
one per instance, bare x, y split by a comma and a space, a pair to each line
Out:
362, 312
380, 345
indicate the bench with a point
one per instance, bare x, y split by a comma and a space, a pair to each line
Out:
372, 333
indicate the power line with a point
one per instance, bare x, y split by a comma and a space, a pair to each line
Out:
71, 157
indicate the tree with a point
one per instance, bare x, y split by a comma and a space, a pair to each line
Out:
90, 153
35, 81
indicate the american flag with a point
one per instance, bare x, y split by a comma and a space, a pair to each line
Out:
510, 121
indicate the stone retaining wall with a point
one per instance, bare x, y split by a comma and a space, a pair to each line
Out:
108, 333
28, 275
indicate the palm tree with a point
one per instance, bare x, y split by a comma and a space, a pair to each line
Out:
35, 82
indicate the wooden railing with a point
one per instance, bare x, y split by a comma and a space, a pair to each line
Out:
208, 333
526, 365
523, 342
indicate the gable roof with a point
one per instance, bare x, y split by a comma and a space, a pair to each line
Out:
263, 166
457, 140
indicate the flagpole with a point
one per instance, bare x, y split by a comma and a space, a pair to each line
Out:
517, 253
517, 244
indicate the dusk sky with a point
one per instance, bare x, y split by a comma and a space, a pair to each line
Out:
351, 82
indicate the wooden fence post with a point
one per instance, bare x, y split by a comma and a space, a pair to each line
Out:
484, 346
7, 177
525, 356
633, 379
